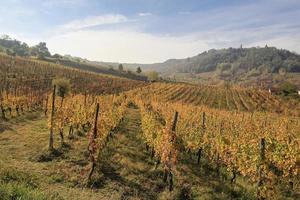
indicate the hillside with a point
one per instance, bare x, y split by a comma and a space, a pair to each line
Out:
236, 60
127, 170
24, 74
105, 137
90, 66
222, 97
247, 66
137, 156
40, 51
264, 67
150, 100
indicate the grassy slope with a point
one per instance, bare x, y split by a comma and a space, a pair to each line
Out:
126, 170
89, 66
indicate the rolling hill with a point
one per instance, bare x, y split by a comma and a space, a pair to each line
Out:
268, 59
40, 51
266, 66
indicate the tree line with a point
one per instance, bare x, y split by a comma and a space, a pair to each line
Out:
14, 47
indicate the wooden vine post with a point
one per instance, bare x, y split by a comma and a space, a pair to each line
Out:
203, 119
71, 130
92, 144
3, 111
46, 106
218, 154
61, 134
203, 128
51, 140
262, 158
1, 106
171, 183
85, 96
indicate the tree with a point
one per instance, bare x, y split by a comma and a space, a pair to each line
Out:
138, 70
121, 68
10, 52
223, 67
13, 47
40, 50
62, 88
57, 56
282, 71
288, 88
111, 68
21, 49
5, 37
152, 76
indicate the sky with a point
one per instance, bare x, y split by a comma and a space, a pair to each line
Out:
149, 31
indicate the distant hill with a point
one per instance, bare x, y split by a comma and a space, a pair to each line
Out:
266, 67
40, 51
235, 60
240, 65
254, 66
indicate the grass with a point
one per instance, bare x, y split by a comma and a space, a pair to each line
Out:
125, 170
19, 185
20, 191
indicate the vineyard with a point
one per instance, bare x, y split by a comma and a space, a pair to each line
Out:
223, 97
263, 147
18, 75
70, 134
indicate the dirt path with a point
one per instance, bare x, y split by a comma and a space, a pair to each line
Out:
127, 170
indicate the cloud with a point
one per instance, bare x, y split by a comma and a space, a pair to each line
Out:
17, 11
95, 21
182, 33
284, 42
54, 3
144, 14
125, 46
131, 44
184, 12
